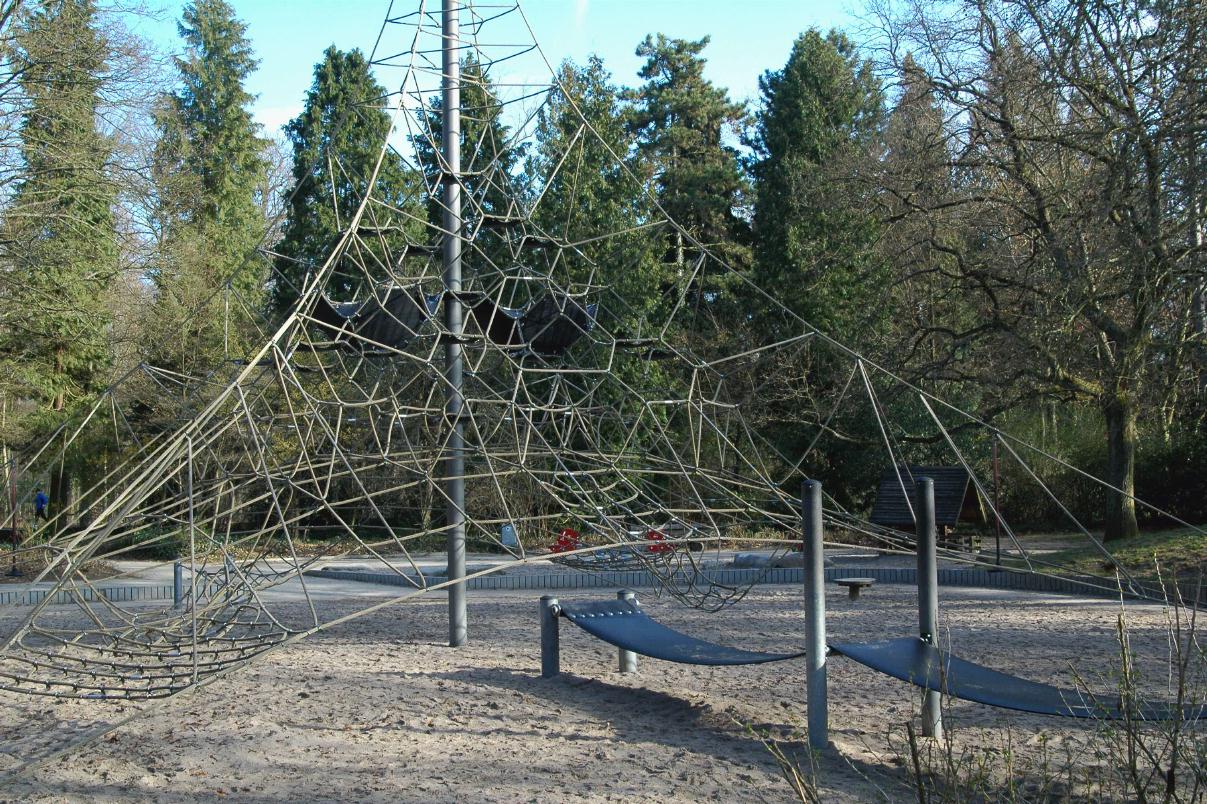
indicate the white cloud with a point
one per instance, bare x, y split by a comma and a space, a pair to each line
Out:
580, 13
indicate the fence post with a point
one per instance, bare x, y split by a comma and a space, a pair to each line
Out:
177, 584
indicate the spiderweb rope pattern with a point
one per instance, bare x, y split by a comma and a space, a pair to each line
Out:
584, 404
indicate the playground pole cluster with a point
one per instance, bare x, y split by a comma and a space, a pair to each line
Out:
816, 697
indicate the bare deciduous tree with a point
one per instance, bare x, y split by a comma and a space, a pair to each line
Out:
1071, 228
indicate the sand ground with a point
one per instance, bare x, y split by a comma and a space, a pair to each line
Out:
380, 709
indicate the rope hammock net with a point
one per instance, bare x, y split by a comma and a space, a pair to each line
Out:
596, 397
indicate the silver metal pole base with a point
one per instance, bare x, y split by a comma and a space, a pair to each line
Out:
551, 660
817, 707
627, 659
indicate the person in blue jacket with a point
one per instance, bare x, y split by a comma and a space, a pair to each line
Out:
40, 503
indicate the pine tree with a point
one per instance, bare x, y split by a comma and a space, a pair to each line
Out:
678, 118
814, 233
816, 136
587, 190
209, 168
61, 254
489, 159
337, 140
211, 162
59, 229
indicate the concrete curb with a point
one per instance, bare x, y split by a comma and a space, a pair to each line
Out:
114, 594
1006, 579
615, 579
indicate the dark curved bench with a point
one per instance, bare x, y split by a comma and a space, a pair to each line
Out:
625, 624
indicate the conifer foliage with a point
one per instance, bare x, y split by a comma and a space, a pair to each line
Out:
209, 169
59, 228
337, 141
679, 118
820, 119
585, 186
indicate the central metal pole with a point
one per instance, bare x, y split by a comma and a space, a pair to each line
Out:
928, 597
454, 464
816, 703
192, 559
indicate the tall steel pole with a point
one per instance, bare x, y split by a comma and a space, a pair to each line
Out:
817, 708
928, 596
454, 462
13, 572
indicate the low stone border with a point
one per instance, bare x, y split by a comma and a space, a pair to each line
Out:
984, 578
114, 594
614, 579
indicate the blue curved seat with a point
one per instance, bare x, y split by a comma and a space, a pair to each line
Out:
922, 664
625, 625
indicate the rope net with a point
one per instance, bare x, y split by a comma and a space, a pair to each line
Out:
598, 399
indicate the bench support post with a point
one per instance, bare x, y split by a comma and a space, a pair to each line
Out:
627, 659
928, 596
817, 706
550, 642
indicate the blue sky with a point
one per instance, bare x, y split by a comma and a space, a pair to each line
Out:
749, 37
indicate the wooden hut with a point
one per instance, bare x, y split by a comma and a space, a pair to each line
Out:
956, 500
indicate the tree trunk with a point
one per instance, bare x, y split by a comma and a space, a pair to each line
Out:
60, 497
1120, 414
60, 399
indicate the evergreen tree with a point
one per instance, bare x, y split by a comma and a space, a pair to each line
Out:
678, 118
587, 194
59, 229
488, 158
211, 164
815, 137
337, 140
817, 130
208, 171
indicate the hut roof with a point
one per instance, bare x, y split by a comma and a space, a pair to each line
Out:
953, 500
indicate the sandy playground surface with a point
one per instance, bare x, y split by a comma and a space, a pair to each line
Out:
380, 709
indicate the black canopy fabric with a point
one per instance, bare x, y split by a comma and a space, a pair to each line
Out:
625, 625
333, 316
554, 323
390, 318
393, 319
500, 324
548, 327
920, 663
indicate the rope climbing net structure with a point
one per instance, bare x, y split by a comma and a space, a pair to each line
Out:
593, 396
